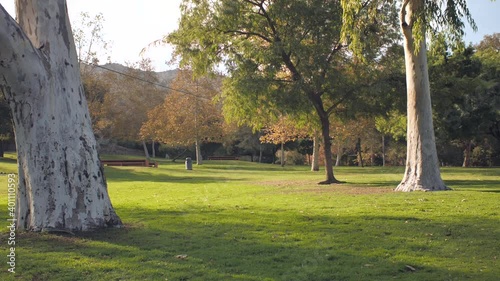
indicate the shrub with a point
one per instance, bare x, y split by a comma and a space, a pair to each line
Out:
292, 157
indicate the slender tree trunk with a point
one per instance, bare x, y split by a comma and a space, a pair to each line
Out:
383, 150
360, 155
199, 159
422, 166
153, 150
145, 147
467, 153
61, 179
260, 153
327, 148
274, 153
315, 156
1, 149
338, 162
282, 154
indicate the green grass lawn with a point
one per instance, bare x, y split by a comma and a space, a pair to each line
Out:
231, 220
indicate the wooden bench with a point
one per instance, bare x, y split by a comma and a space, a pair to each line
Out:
223, 158
137, 162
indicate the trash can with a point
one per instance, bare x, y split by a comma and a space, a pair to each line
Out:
189, 163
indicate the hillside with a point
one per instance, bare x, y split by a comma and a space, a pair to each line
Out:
164, 77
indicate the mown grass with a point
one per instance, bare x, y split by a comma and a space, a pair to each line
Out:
230, 220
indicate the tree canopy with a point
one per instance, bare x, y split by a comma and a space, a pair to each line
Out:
281, 57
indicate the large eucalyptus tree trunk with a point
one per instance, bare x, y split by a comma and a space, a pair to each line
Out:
422, 166
61, 180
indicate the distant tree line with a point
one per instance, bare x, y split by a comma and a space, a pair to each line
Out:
465, 86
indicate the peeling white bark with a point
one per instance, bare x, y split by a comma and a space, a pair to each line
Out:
61, 180
422, 166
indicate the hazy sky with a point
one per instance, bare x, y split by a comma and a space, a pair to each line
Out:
131, 25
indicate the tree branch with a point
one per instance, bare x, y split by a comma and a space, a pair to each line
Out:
336, 48
335, 105
248, 33
402, 14
277, 40
256, 3
269, 21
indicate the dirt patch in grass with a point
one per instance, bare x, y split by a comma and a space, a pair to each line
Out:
308, 186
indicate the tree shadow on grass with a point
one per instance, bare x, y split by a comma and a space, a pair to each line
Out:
262, 244
479, 185
247, 166
8, 160
482, 172
491, 191
124, 175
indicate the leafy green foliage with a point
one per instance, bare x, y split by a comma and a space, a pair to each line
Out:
467, 97
431, 16
488, 52
282, 58
394, 125
280, 55
360, 16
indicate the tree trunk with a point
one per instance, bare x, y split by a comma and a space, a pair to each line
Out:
315, 156
61, 179
360, 155
199, 159
422, 166
274, 153
145, 147
327, 148
260, 153
338, 162
383, 151
153, 149
467, 152
282, 154
1, 149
